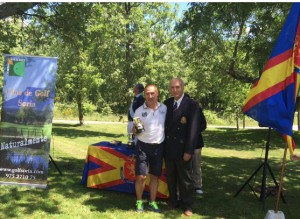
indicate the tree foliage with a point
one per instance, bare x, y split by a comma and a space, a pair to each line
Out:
129, 39
242, 33
104, 49
227, 46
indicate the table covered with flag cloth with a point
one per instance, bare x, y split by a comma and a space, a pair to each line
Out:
112, 167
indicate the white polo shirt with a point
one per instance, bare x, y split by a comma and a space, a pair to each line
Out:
153, 122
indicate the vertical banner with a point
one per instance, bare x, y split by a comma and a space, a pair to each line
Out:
26, 119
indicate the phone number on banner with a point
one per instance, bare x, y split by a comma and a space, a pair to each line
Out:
19, 176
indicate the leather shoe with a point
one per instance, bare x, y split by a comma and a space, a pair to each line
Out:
188, 213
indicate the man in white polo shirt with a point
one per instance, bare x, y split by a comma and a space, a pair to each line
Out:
149, 148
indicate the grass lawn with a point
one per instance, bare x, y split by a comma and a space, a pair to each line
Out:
229, 159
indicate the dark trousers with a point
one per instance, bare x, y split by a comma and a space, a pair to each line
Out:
179, 174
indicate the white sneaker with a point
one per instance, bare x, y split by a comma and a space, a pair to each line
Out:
199, 191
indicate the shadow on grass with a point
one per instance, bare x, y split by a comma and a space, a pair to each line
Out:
27, 201
241, 140
222, 178
221, 181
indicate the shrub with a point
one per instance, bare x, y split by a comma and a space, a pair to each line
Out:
213, 119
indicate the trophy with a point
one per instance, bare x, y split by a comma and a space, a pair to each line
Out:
138, 124
130, 142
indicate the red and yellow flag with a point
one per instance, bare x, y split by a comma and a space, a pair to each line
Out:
272, 99
113, 168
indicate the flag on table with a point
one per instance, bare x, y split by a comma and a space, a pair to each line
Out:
272, 99
112, 167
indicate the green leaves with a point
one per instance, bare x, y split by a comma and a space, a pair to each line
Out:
227, 46
104, 49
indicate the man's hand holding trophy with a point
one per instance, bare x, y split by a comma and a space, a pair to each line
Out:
137, 126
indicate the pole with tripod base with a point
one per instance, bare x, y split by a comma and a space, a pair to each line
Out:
278, 214
265, 165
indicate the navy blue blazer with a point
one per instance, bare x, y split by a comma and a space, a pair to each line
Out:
181, 128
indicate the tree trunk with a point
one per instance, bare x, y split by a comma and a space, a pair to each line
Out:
8, 9
128, 46
237, 121
80, 113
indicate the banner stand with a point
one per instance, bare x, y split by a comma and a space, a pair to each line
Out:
51, 160
28, 96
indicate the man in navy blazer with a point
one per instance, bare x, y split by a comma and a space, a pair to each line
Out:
181, 137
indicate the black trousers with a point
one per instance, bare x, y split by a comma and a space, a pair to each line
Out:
179, 176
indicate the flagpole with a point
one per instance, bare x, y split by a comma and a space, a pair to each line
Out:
263, 181
281, 179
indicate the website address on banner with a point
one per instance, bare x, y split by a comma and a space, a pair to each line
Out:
20, 170
20, 173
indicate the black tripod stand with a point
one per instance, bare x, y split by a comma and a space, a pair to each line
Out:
265, 165
51, 160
